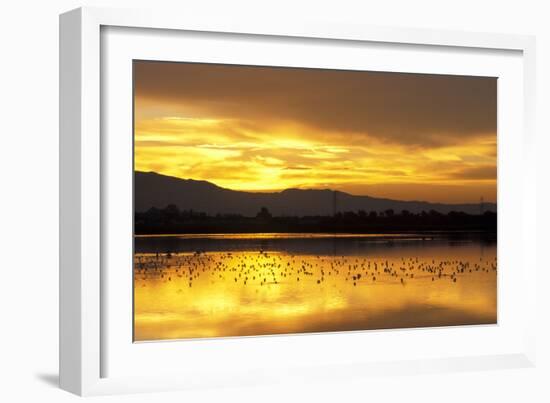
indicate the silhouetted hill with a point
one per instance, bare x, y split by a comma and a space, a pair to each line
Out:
155, 190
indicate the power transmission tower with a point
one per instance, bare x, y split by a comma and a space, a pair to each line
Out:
481, 205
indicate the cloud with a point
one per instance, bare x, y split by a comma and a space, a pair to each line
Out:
480, 172
416, 109
299, 168
384, 134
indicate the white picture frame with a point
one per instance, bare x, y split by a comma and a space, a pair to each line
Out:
88, 332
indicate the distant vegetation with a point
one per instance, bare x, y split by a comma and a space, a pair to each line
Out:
155, 190
171, 220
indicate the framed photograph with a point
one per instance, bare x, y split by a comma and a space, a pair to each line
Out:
244, 203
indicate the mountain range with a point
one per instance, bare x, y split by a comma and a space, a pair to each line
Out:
156, 190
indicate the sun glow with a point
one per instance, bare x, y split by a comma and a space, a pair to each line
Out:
191, 148
214, 138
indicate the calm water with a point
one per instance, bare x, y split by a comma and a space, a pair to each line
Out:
254, 284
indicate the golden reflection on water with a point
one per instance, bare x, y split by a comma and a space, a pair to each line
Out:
240, 293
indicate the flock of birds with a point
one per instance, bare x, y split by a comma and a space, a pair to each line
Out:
265, 268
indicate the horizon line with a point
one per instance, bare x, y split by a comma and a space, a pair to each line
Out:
306, 189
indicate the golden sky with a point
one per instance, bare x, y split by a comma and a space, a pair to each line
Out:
401, 136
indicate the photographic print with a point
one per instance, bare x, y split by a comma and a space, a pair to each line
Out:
279, 200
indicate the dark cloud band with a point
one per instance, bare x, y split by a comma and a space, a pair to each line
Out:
421, 109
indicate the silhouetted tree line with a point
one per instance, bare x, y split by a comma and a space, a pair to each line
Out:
173, 220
